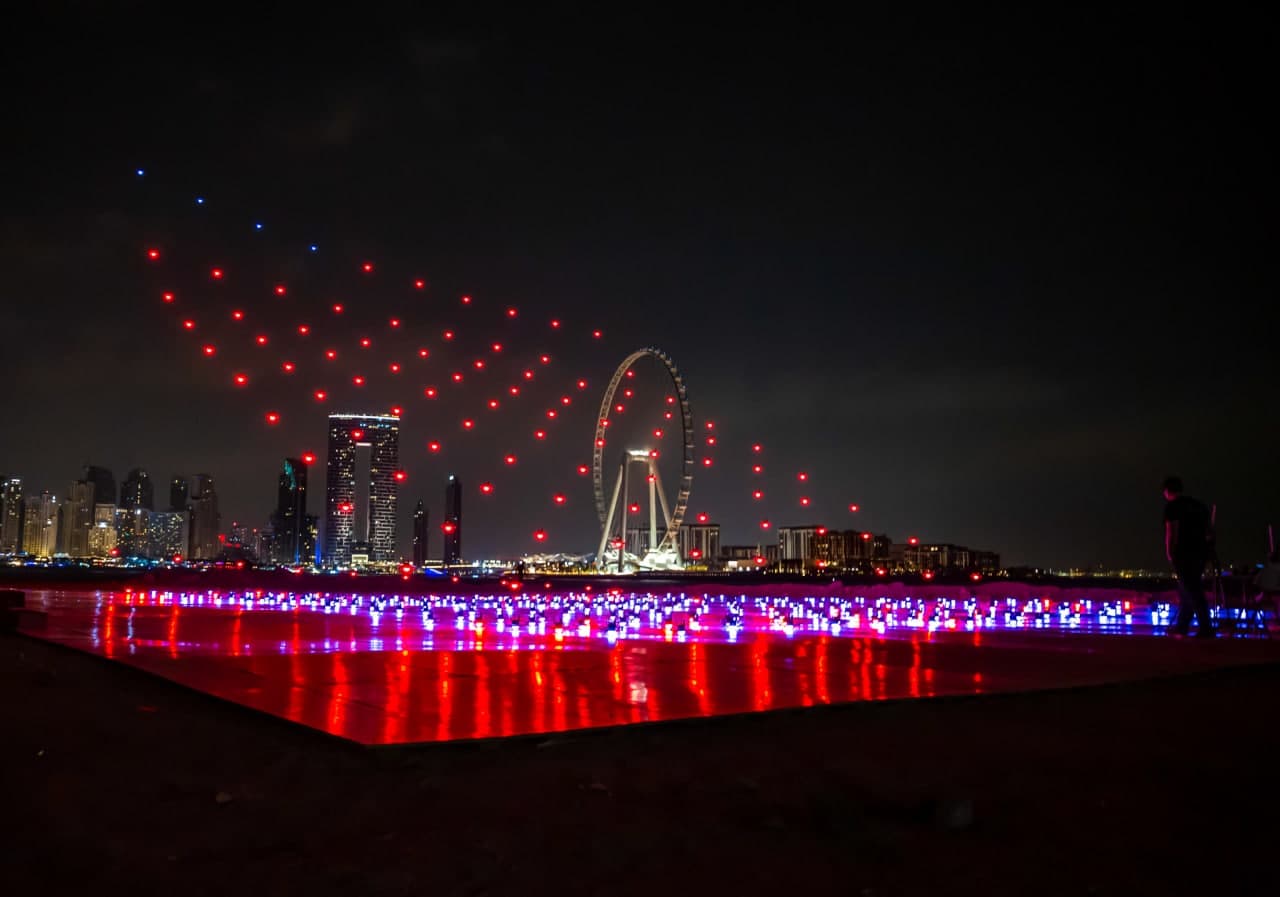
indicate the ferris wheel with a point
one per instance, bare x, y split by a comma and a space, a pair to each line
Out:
659, 553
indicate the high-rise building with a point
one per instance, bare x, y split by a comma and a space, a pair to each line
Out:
420, 533
795, 544
11, 515
102, 538
133, 527
204, 544
288, 523
104, 484
179, 493
137, 491
77, 519
167, 533
40, 525
452, 525
360, 509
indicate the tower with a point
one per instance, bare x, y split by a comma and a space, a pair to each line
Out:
361, 507
205, 519
104, 484
420, 534
178, 493
289, 522
452, 525
137, 491
77, 519
11, 516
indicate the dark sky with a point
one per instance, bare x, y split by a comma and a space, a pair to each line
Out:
990, 279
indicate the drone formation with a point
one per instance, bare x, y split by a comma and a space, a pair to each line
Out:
374, 334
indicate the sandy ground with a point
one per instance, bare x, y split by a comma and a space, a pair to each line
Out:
120, 781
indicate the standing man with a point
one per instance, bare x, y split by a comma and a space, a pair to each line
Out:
1186, 545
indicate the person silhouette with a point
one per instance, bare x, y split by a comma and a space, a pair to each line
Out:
1187, 541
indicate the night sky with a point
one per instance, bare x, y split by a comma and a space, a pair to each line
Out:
991, 280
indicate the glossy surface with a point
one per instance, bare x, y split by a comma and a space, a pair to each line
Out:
389, 669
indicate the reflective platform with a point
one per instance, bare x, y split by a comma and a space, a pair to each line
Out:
386, 669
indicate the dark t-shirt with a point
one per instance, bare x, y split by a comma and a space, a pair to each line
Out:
1191, 545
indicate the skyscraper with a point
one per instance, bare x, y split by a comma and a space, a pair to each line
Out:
420, 533
102, 538
77, 519
205, 520
167, 533
179, 494
11, 514
359, 509
133, 532
40, 525
137, 491
289, 522
104, 484
452, 525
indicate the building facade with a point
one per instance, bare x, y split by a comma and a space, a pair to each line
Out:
77, 519
204, 544
354, 513
137, 490
133, 527
11, 516
420, 534
167, 534
452, 525
179, 493
40, 525
102, 537
104, 484
289, 522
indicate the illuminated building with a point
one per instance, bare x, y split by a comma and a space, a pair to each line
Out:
40, 525
11, 513
420, 535
104, 484
136, 491
452, 525
102, 537
289, 522
77, 520
943, 557
167, 535
204, 543
700, 543
132, 528
179, 493
360, 509
795, 545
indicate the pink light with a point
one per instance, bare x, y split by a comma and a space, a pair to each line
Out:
600, 443
821, 531
545, 359
457, 376
757, 448
528, 375
596, 334
551, 413
657, 434
582, 384
653, 453
913, 541
711, 440
555, 324
479, 364
757, 495
627, 393
331, 354
671, 400
514, 390
565, 400
764, 524
802, 476
975, 576
630, 374
757, 468
706, 462
466, 300
866, 536
711, 425
496, 347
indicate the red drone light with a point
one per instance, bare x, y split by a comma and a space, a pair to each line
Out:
627, 393
514, 390
757, 495
303, 329
424, 352
394, 367
651, 478
365, 342
189, 324
975, 576
308, 458
468, 423
866, 536
551, 413
240, 379
528, 374
345, 507
449, 527
600, 442
913, 541
619, 408
821, 531
759, 561
804, 501
802, 476
711, 440
630, 374
261, 339
703, 518
558, 498
210, 350
671, 400
400, 476
583, 470
167, 297
545, 359
853, 509
396, 410
509, 460
756, 468
539, 535
337, 308
433, 447
216, 274
555, 324
357, 380
478, 364
695, 553
539, 434
320, 395
582, 384
511, 312
273, 417
493, 403
666, 415
153, 254
456, 376
496, 347
367, 267
394, 322
596, 334
657, 434
448, 335
287, 366
634, 508
280, 289
764, 524
357, 434
429, 392
331, 354
466, 300
486, 488
653, 453
711, 425
419, 284
928, 574
757, 448
706, 462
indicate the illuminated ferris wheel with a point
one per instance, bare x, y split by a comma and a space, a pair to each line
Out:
654, 552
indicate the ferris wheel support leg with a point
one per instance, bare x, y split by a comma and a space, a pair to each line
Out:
608, 523
653, 509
